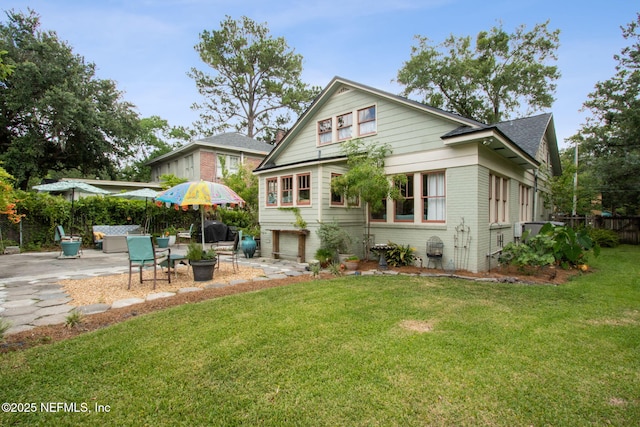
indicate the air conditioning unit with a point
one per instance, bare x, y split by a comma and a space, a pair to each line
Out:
517, 230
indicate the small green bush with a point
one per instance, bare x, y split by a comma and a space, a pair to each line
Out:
604, 238
400, 255
74, 318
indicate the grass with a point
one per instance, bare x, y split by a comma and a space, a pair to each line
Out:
338, 352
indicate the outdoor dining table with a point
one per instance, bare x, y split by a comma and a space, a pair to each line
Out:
381, 249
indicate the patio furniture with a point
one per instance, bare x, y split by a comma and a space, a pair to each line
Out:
112, 238
231, 252
143, 254
184, 234
70, 245
434, 251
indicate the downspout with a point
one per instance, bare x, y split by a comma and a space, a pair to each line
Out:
535, 195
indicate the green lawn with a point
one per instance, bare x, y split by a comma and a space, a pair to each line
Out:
337, 353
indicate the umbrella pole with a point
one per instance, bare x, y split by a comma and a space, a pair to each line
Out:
202, 223
73, 197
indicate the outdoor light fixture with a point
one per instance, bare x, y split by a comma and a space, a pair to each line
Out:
486, 142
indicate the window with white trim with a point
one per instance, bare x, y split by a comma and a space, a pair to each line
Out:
525, 200
498, 199
404, 208
434, 207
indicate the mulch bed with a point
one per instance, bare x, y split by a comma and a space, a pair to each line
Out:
49, 334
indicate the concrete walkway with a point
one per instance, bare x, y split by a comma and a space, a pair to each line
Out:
30, 297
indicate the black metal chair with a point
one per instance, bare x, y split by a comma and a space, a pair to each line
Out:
435, 249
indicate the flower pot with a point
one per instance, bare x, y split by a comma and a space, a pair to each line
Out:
249, 246
70, 248
351, 265
203, 270
162, 242
172, 240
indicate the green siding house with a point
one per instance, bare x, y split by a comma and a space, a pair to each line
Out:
468, 183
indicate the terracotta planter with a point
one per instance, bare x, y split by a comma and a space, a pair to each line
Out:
352, 265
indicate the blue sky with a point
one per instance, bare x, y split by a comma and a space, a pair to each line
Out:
146, 46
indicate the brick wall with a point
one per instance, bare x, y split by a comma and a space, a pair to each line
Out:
208, 166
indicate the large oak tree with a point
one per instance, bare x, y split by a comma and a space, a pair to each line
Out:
55, 115
256, 82
490, 81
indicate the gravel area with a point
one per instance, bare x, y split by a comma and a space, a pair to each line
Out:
107, 289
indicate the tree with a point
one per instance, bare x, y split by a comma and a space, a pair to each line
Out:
55, 115
8, 198
562, 188
489, 82
257, 82
366, 177
611, 135
152, 142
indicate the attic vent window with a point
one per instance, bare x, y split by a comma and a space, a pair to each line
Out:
344, 89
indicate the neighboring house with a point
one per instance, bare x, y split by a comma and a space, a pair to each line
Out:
468, 183
204, 158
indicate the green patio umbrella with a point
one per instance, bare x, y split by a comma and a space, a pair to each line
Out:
64, 186
140, 194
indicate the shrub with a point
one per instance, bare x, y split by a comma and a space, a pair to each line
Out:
604, 238
400, 255
561, 245
333, 238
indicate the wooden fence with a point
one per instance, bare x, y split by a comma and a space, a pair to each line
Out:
627, 227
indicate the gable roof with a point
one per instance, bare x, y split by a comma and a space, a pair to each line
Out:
231, 141
522, 136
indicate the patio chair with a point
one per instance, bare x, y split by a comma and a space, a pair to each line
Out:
143, 254
60, 236
184, 235
230, 251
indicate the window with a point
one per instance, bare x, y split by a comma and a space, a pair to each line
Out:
404, 208
336, 199
325, 131
433, 197
188, 166
345, 125
380, 214
286, 188
272, 191
498, 199
231, 164
304, 189
525, 197
367, 120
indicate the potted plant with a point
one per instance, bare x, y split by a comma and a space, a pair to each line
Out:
351, 263
162, 241
324, 257
334, 238
171, 233
202, 262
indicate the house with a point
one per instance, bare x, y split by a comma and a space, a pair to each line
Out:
468, 183
204, 158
